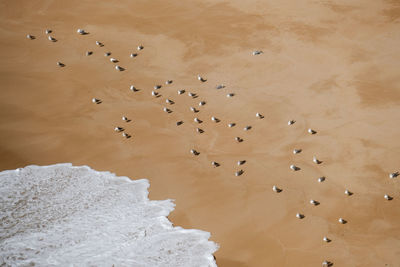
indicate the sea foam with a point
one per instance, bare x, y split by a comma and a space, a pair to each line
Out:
76, 216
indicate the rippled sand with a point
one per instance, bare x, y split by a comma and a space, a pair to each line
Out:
331, 66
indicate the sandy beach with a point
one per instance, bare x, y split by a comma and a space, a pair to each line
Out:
332, 66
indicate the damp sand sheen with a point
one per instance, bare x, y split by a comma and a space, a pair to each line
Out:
272, 125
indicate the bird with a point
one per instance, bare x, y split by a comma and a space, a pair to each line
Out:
230, 95
300, 216
327, 264
241, 162
220, 86
257, 52
230, 125
31, 37
238, 139
60, 64
81, 31
88, 53
125, 119
113, 60
294, 167
140, 47
291, 122
167, 110
247, 128
202, 103
168, 82
194, 109
153, 93
311, 131
99, 43
126, 135
194, 152
96, 101
342, 221
118, 129
119, 68
321, 179
387, 197
201, 78
347, 192
169, 101
296, 151
314, 202
327, 240
238, 173
180, 92
133, 55
393, 175
48, 31
276, 189
52, 39
133, 88
107, 54
215, 164
199, 130
260, 116
192, 94
179, 123
197, 120
156, 87
214, 119
316, 161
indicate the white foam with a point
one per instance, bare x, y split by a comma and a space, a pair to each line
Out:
75, 216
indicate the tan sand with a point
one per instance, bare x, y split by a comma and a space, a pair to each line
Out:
330, 65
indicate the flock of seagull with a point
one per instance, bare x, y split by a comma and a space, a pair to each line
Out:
195, 110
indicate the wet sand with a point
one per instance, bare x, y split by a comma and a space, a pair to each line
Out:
331, 66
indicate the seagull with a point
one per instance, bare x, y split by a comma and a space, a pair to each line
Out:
215, 164
311, 131
238, 173
96, 101
257, 52
81, 32
291, 122
347, 192
316, 161
387, 197
294, 167
300, 216
327, 240
201, 78
133, 88
296, 151
276, 189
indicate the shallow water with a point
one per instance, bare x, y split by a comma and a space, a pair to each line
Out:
65, 215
